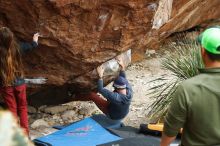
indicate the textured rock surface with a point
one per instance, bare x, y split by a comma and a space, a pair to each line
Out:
55, 109
78, 35
38, 123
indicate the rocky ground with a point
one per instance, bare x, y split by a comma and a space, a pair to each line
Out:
142, 76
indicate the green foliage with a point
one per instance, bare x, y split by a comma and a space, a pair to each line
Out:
183, 61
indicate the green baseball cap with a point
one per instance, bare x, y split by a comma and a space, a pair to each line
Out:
210, 40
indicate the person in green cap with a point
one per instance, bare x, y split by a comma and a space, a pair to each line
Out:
196, 103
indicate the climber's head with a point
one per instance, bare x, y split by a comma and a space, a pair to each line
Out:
10, 64
210, 42
120, 85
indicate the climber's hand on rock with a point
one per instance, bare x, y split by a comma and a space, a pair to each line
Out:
120, 62
100, 71
35, 37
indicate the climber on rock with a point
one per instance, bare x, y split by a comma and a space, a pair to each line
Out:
12, 84
116, 103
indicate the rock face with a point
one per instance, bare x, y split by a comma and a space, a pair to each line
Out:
79, 35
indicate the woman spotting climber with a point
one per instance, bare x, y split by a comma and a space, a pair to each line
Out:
12, 84
116, 107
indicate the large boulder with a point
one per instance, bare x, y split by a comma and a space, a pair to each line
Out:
79, 35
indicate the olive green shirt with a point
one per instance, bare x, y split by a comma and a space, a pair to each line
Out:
196, 109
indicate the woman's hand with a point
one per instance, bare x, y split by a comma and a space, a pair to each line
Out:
120, 62
35, 37
100, 71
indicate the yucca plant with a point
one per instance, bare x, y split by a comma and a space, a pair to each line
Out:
183, 61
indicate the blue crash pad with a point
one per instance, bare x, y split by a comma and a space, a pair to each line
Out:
103, 120
83, 133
